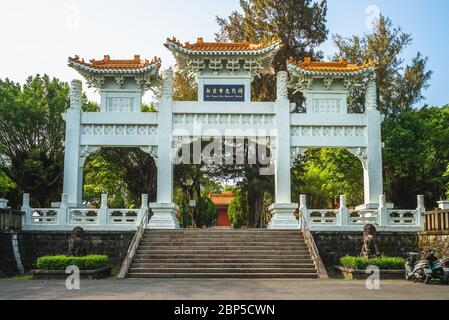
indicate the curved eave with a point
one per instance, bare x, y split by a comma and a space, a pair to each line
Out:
81, 68
295, 70
274, 48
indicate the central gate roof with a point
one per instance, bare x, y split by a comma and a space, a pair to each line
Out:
217, 56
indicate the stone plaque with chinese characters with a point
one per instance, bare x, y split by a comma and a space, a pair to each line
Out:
232, 93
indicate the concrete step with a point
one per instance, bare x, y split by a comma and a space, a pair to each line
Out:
224, 251
259, 256
203, 265
224, 243
221, 270
169, 275
238, 248
227, 260
219, 231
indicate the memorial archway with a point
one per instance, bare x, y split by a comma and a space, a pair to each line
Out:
224, 73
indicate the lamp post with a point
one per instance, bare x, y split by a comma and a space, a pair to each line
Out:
192, 205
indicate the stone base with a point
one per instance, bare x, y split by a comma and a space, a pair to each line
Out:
164, 216
283, 217
61, 274
373, 206
351, 274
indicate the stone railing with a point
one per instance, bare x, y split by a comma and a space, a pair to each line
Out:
383, 218
10, 219
65, 218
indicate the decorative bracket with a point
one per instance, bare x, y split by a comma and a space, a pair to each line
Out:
360, 153
295, 153
152, 151
85, 152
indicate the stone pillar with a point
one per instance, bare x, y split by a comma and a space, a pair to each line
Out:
26, 218
73, 172
283, 210
64, 211
382, 212
372, 169
143, 208
103, 214
420, 211
164, 211
303, 211
343, 214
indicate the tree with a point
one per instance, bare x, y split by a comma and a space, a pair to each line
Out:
299, 24
325, 174
31, 135
102, 176
138, 171
416, 155
237, 209
400, 86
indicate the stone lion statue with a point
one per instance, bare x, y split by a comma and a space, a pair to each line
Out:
77, 246
370, 248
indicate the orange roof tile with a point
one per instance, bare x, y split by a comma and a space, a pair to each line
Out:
200, 45
108, 63
341, 66
222, 199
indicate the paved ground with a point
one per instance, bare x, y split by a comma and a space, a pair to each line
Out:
220, 290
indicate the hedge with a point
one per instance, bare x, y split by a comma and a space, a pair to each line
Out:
91, 262
384, 263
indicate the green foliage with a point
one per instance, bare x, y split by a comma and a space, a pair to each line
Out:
383, 263
185, 87
148, 108
5, 184
191, 183
90, 262
101, 176
325, 174
137, 172
237, 210
446, 175
400, 86
416, 155
300, 25
31, 135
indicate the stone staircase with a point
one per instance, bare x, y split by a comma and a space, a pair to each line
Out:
222, 254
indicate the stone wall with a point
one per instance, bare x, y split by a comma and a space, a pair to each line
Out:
7, 260
334, 245
34, 244
437, 240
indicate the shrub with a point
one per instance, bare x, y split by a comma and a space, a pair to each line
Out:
384, 263
91, 262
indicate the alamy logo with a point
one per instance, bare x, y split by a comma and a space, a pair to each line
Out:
73, 280
373, 281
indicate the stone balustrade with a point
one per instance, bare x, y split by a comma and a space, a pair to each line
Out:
383, 218
90, 219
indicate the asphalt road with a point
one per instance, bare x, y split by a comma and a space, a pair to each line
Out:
166, 289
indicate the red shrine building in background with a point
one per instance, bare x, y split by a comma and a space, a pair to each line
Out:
222, 202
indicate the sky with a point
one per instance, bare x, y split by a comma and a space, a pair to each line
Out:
38, 36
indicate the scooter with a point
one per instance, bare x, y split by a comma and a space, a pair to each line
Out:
417, 270
440, 270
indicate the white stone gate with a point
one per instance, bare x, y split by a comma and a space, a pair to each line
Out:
224, 72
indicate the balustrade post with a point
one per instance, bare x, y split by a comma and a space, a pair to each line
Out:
420, 211
382, 212
143, 209
303, 211
64, 211
103, 217
26, 216
343, 214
